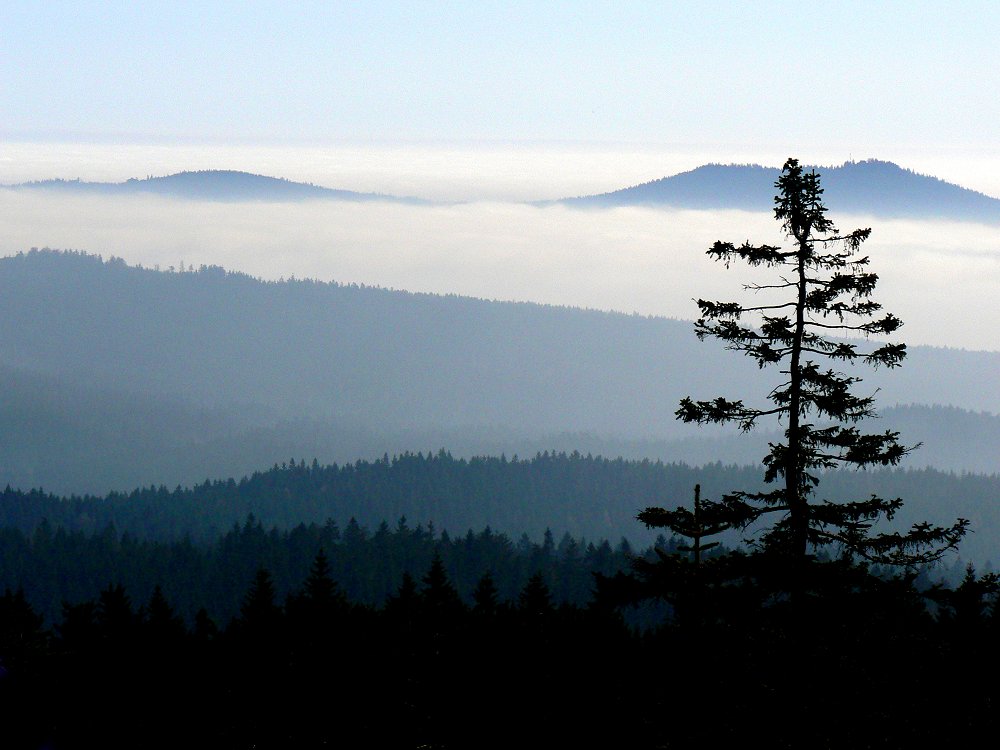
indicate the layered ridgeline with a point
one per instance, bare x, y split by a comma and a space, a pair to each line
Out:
115, 376
549, 495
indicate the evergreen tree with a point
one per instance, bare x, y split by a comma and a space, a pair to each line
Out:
485, 597
116, 619
162, 622
321, 591
22, 635
822, 291
678, 575
402, 606
260, 615
965, 607
205, 628
439, 597
535, 599
25, 693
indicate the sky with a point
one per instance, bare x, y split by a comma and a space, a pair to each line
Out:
777, 73
494, 103
911, 82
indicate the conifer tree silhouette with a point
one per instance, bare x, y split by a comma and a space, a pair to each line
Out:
822, 292
535, 598
260, 616
439, 597
485, 597
673, 576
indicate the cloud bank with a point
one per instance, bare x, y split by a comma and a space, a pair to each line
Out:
942, 279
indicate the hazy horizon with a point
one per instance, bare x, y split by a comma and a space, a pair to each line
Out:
462, 171
649, 261
451, 139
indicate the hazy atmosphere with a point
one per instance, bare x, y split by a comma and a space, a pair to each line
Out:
492, 105
645, 260
351, 389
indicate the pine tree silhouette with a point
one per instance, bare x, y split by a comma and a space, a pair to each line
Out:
822, 292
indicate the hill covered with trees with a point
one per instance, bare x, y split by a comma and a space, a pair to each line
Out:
115, 376
586, 496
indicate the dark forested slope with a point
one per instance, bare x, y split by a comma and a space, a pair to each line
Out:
586, 496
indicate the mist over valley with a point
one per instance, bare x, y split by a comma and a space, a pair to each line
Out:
488, 375
118, 376
239, 320
627, 254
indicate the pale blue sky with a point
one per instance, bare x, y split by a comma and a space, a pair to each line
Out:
858, 76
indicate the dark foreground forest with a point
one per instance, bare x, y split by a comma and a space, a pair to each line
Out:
338, 633
860, 661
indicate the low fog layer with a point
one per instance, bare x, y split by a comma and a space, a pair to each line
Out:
941, 278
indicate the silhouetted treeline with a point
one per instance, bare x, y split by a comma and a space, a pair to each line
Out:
862, 663
53, 565
585, 496
312, 669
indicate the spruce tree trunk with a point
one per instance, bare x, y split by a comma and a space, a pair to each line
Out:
793, 464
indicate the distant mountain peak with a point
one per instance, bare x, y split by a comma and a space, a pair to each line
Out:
869, 186
227, 185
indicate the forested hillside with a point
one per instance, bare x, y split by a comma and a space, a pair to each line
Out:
115, 376
585, 496
235, 637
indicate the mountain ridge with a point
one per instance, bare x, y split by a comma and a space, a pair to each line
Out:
871, 186
224, 185
386, 361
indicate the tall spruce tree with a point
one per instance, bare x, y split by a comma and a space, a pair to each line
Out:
821, 301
